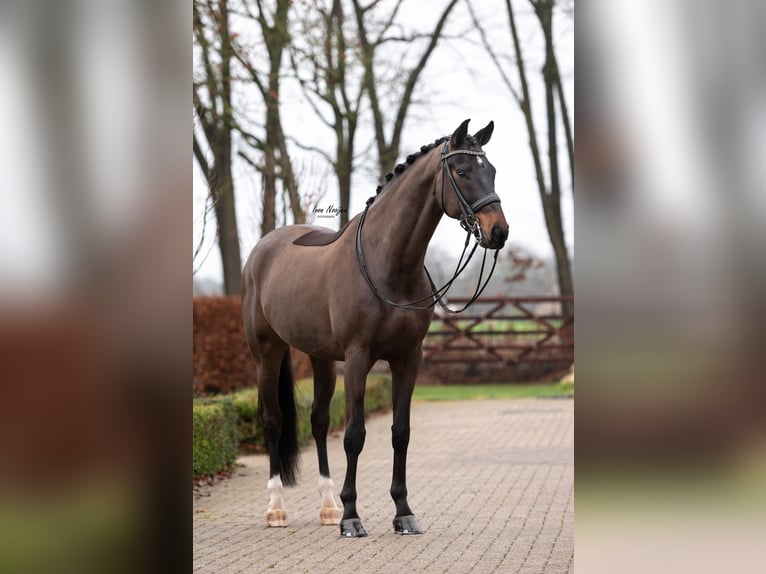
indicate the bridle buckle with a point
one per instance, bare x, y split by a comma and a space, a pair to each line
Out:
470, 224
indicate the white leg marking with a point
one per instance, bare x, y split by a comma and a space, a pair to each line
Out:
274, 487
325, 486
329, 513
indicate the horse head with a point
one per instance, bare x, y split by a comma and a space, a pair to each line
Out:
471, 176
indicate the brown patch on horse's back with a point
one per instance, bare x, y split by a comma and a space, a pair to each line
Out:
320, 237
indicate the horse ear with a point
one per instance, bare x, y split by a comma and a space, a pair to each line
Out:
459, 136
483, 135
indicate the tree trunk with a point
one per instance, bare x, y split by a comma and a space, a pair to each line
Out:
552, 213
387, 155
269, 219
217, 124
552, 203
288, 177
344, 166
228, 237
275, 151
549, 196
276, 163
565, 120
344, 186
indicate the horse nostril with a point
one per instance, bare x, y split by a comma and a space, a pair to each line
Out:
498, 233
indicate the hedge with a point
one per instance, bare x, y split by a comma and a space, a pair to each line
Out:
221, 360
243, 425
214, 436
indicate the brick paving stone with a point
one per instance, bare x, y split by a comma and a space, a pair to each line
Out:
491, 482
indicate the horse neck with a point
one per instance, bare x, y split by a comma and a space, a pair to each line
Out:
404, 218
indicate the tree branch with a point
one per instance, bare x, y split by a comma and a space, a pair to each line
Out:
314, 149
250, 161
250, 70
526, 104
201, 159
308, 90
492, 55
415, 74
565, 120
210, 75
202, 112
388, 23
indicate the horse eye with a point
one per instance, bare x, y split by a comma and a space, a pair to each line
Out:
461, 173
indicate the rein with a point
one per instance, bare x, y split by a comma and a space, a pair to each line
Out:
468, 222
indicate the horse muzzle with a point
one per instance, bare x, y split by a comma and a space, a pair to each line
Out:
494, 227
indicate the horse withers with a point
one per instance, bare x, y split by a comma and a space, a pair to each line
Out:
351, 300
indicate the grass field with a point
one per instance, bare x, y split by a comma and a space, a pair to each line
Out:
518, 326
509, 391
305, 388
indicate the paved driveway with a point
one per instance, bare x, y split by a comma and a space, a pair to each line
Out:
491, 483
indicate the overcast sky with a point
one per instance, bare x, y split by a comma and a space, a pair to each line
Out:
460, 82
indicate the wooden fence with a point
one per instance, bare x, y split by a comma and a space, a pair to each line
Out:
518, 336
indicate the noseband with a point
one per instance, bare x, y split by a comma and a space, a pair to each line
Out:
468, 211
468, 221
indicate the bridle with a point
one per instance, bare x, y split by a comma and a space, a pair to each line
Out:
468, 221
468, 211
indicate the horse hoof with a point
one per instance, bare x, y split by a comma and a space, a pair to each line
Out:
276, 518
329, 516
407, 525
352, 528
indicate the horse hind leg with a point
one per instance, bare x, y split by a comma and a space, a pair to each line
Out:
277, 407
324, 387
276, 516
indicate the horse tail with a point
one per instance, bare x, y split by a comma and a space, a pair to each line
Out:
289, 449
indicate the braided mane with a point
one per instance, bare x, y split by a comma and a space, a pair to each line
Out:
413, 157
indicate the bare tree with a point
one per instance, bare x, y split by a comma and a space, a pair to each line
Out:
326, 65
550, 191
552, 197
388, 146
340, 62
276, 166
212, 139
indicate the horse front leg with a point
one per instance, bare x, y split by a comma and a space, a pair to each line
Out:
357, 366
404, 373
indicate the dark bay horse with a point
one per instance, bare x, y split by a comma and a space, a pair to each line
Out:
324, 301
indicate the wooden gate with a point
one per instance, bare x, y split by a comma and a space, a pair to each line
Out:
511, 331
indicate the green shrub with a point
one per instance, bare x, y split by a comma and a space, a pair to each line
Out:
214, 436
378, 395
226, 420
377, 398
249, 431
